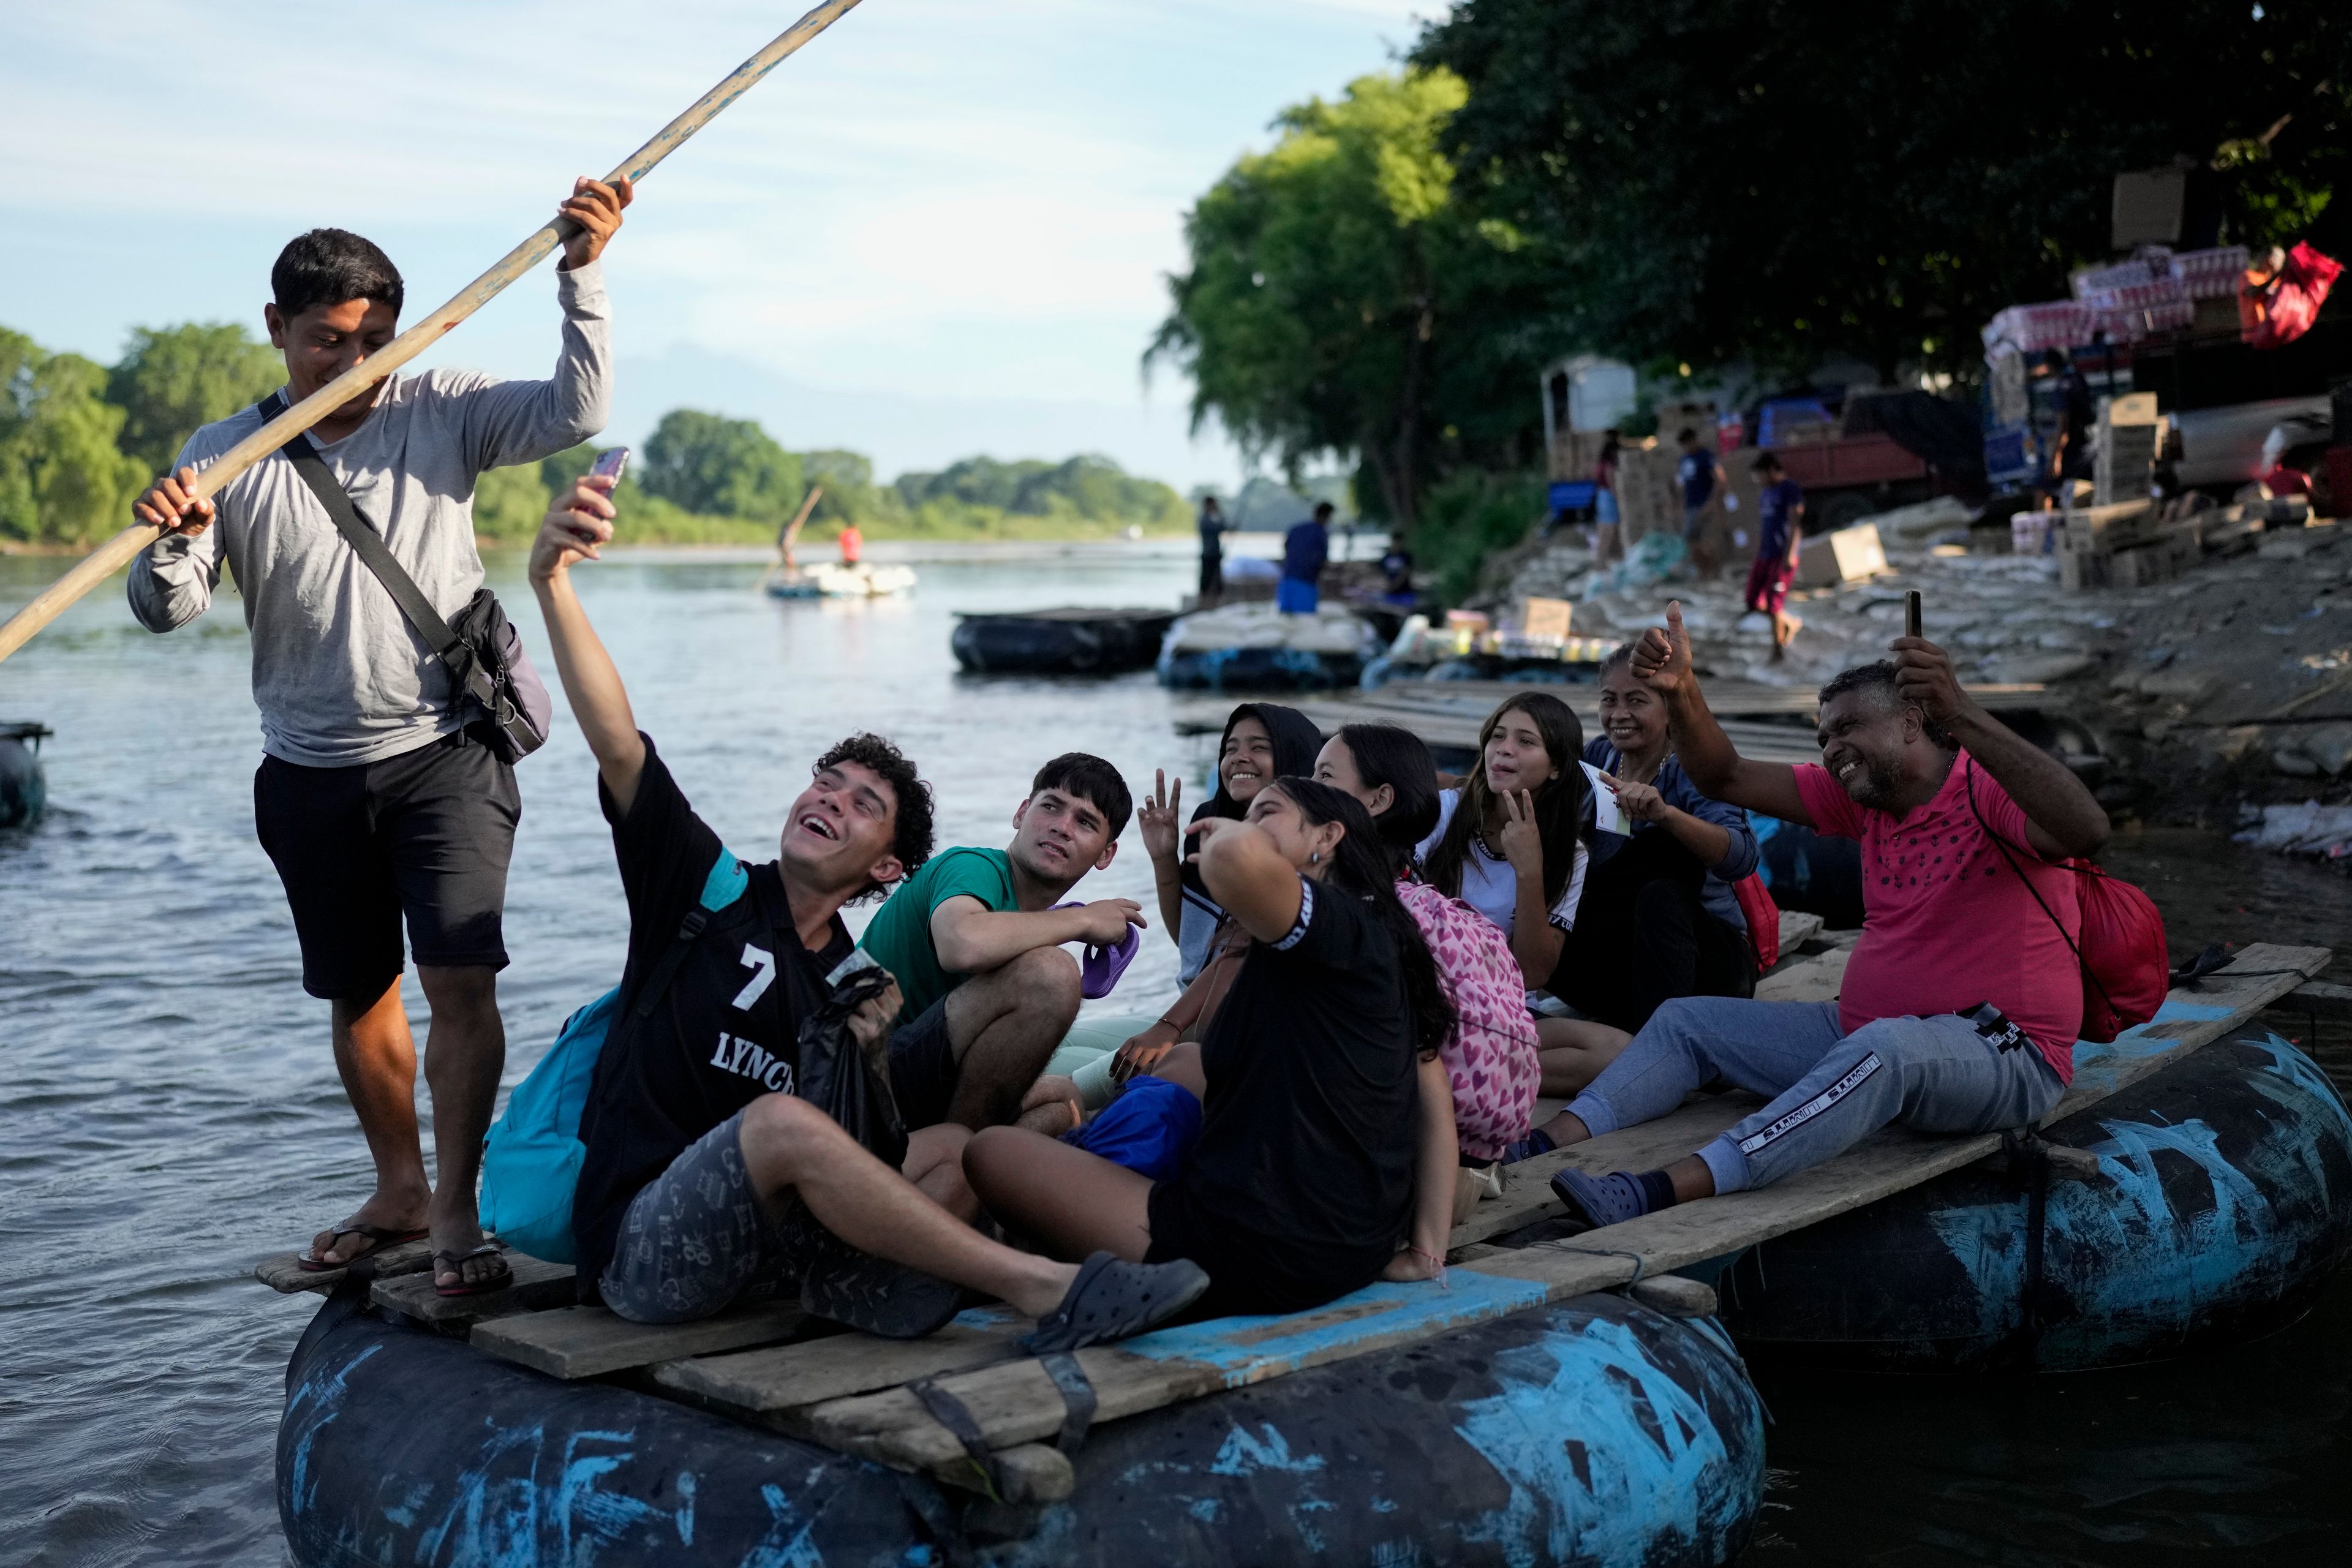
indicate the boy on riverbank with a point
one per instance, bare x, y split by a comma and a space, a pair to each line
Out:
373, 800
1962, 1000
703, 1169
975, 942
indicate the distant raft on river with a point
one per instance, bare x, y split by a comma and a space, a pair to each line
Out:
1561, 1398
1253, 646
1070, 640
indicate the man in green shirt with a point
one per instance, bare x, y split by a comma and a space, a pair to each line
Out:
976, 945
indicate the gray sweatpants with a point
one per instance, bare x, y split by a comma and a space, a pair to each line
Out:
1942, 1074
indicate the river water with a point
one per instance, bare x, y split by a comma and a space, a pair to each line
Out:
169, 1113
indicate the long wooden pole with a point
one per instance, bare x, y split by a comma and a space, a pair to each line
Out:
110, 556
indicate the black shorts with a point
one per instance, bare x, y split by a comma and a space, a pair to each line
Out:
923, 1067
425, 835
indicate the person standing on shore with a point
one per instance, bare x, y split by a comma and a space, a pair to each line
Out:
1305, 549
1213, 528
1699, 475
1779, 519
376, 800
1608, 544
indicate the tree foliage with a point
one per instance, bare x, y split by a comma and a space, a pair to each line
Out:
1344, 300
728, 468
62, 477
175, 379
1785, 181
1087, 486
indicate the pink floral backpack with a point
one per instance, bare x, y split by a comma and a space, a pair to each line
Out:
1492, 1056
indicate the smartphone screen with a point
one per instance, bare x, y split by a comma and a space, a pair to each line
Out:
609, 464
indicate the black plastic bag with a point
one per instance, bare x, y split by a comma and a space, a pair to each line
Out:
840, 1079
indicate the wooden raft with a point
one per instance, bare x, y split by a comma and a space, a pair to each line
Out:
769, 1366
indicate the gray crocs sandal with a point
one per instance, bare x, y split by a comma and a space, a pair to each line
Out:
1112, 1298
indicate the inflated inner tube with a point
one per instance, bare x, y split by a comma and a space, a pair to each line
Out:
2217, 1213
24, 788
1590, 1432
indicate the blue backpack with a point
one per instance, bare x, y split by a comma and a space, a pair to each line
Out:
530, 1160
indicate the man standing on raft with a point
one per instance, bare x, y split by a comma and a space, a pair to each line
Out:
1962, 1000
373, 800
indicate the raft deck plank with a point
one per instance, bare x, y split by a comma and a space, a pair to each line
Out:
536, 1284
572, 1342
1017, 1403
767, 1385
286, 1274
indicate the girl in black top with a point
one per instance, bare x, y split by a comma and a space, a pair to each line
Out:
1301, 1184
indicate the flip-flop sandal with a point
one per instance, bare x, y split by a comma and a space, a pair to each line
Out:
309, 1263
452, 1261
1112, 1299
877, 1297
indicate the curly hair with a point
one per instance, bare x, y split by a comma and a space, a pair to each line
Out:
910, 838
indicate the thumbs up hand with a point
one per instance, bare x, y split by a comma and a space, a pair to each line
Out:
1662, 659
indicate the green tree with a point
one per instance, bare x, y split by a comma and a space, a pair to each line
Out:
847, 478
175, 379
1347, 296
62, 478
1782, 180
728, 468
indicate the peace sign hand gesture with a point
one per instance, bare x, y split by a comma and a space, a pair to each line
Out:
1156, 815
1522, 840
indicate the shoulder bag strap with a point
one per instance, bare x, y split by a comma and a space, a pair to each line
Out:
2002, 845
364, 541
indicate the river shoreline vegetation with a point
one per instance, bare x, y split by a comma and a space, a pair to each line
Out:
1726, 195
79, 440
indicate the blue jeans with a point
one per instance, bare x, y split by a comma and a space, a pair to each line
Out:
1297, 597
1943, 1074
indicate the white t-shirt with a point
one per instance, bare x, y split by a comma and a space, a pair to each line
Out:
1488, 883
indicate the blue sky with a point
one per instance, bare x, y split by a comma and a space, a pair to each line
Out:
940, 229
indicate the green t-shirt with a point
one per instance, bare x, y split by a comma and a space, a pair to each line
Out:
900, 935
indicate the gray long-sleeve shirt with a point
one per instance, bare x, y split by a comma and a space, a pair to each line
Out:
339, 677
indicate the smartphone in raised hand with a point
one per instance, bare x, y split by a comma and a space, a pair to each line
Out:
609, 465
1911, 611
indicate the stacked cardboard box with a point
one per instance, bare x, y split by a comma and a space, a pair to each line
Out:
2126, 444
1647, 496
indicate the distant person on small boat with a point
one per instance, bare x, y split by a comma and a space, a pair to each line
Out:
1305, 549
378, 799
703, 1169
1476, 1095
1962, 1001
1213, 528
853, 544
1263, 741
1300, 1183
974, 939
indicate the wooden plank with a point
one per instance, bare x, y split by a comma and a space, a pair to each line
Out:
1527, 1186
1016, 1401
589, 1342
536, 1284
767, 1385
286, 1274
